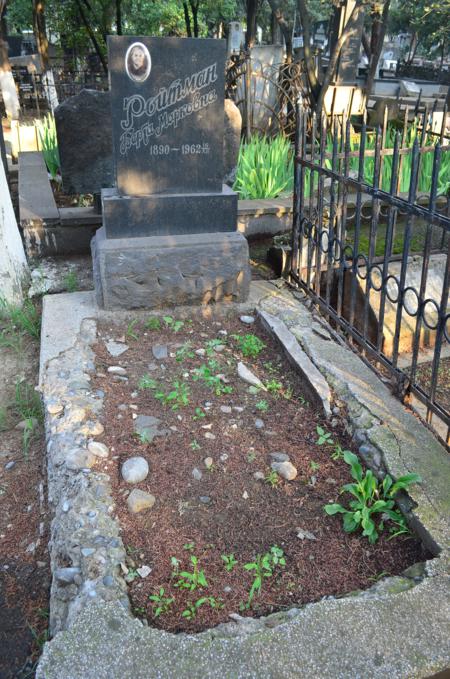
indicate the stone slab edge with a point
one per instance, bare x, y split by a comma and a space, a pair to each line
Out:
102, 639
314, 384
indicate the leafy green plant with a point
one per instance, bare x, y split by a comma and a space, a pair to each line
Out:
370, 499
262, 405
198, 414
250, 345
49, 144
184, 352
175, 563
129, 332
147, 382
274, 387
177, 397
70, 281
195, 445
191, 611
229, 561
265, 168
189, 546
338, 452
263, 567
211, 345
153, 323
205, 374
272, 478
27, 403
194, 579
161, 602
324, 437
314, 466
251, 456
23, 319
172, 324
29, 432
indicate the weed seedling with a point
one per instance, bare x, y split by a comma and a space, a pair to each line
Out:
338, 453
175, 563
229, 561
172, 324
251, 456
314, 466
129, 333
147, 382
198, 414
272, 479
184, 352
249, 345
211, 345
177, 397
324, 437
27, 403
21, 319
205, 374
191, 611
161, 602
371, 498
189, 546
264, 566
195, 445
194, 579
153, 323
274, 387
263, 406
70, 281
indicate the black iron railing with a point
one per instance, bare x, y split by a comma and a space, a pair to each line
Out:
371, 246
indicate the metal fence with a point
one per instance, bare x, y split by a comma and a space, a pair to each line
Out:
371, 246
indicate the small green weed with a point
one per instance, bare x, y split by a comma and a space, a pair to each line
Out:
229, 561
338, 452
371, 498
184, 352
194, 579
153, 323
189, 546
23, 319
161, 602
272, 478
324, 437
195, 445
211, 345
249, 345
70, 281
129, 332
27, 403
172, 324
314, 466
263, 406
198, 414
205, 374
251, 456
191, 611
177, 397
274, 387
263, 567
147, 382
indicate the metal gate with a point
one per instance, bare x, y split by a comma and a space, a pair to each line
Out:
371, 246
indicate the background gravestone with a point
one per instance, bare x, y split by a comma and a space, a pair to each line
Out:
83, 125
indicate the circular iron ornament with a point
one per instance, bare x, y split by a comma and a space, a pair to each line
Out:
376, 278
384, 210
430, 315
410, 294
138, 62
349, 252
336, 248
351, 213
364, 265
323, 233
366, 214
307, 228
447, 328
389, 288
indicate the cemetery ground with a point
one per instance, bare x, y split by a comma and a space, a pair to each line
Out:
231, 478
25, 572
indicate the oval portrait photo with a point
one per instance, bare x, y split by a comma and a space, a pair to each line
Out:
138, 62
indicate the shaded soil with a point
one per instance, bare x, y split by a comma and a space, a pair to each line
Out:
24, 562
228, 511
423, 379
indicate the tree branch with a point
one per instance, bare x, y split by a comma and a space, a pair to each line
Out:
285, 28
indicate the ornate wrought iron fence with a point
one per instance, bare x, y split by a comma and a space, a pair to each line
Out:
371, 246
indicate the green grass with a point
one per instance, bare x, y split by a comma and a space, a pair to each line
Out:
265, 168
23, 319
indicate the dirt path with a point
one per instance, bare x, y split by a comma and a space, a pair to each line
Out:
24, 565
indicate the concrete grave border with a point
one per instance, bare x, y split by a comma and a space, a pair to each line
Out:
398, 628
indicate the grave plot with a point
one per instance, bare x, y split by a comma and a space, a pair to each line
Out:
220, 472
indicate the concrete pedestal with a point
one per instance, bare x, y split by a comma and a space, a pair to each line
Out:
162, 271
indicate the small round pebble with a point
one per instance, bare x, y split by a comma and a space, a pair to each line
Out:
248, 320
259, 424
135, 469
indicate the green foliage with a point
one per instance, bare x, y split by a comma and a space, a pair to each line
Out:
184, 352
172, 324
324, 437
265, 168
194, 579
262, 405
177, 397
147, 382
314, 466
49, 144
191, 611
249, 345
212, 344
195, 445
370, 499
263, 567
338, 452
27, 403
161, 602
198, 414
229, 561
70, 281
153, 323
129, 332
274, 387
204, 373
272, 478
19, 320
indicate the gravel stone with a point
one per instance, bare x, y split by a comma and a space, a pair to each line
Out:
116, 348
259, 476
279, 457
247, 320
205, 499
197, 474
225, 409
55, 408
10, 465
117, 370
98, 449
144, 571
259, 424
249, 377
208, 461
160, 351
285, 469
139, 500
135, 469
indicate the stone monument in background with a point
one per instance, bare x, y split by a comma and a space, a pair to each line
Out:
169, 226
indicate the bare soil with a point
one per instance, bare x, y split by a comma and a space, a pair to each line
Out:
24, 562
228, 511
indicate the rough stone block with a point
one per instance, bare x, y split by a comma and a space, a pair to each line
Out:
168, 214
163, 271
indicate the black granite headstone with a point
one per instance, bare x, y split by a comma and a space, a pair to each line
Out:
167, 97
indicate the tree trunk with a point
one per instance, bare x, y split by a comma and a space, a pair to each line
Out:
119, 17
376, 45
187, 20
194, 8
314, 85
7, 84
13, 263
40, 33
250, 35
91, 34
284, 26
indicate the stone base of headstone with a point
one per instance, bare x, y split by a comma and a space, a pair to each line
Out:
156, 272
168, 213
